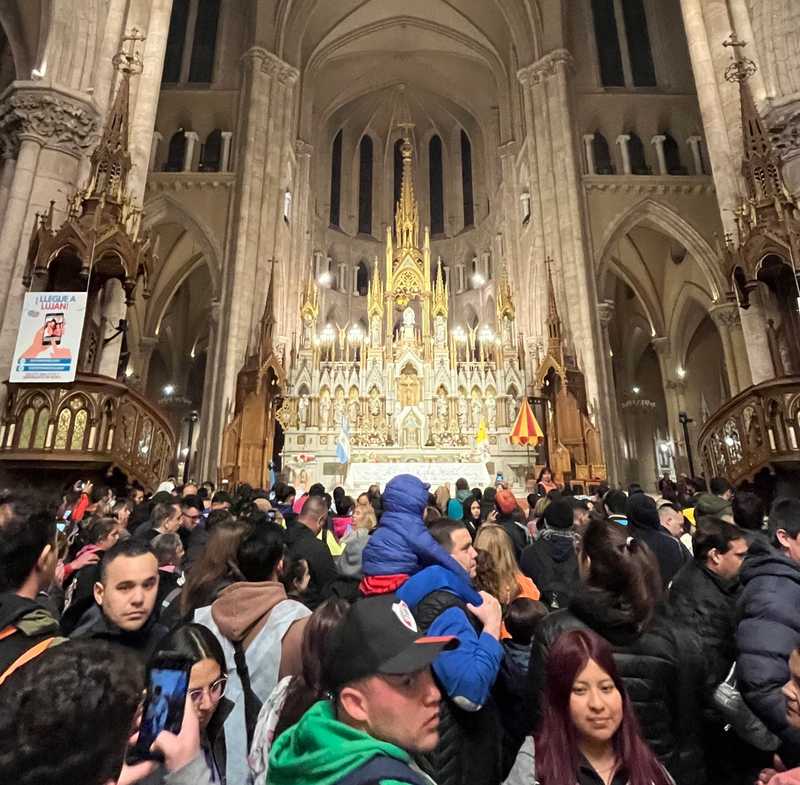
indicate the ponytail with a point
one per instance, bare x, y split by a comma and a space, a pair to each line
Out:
623, 567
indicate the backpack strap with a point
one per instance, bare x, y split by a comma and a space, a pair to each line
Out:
30, 654
252, 705
167, 601
380, 768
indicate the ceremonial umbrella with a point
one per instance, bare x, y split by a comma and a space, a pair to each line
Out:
526, 430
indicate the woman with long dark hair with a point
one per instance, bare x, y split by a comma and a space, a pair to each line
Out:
208, 679
589, 732
620, 600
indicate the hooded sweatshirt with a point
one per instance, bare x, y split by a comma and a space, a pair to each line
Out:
552, 564
320, 750
401, 545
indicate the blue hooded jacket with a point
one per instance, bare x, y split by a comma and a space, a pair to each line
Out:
401, 545
468, 672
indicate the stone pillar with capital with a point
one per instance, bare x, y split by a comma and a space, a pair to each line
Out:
141, 365
624, 151
675, 397
225, 157
729, 324
605, 312
265, 129
588, 144
157, 138
192, 139
694, 143
658, 142
52, 131
558, 221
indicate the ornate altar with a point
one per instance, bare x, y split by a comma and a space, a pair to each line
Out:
403, 381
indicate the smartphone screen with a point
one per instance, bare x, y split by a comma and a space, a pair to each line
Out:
167, 683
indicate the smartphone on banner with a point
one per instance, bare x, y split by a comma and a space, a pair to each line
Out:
167, 685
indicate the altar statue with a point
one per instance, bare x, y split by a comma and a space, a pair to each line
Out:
408, 329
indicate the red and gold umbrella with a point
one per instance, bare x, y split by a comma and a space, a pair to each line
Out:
526, 430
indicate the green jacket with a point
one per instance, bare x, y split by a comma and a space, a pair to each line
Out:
320, 750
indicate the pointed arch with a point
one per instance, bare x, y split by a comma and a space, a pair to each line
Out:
682, 325
672, 224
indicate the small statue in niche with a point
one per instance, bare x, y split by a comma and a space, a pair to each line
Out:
463, 414
491, 413
302, 411
324, 411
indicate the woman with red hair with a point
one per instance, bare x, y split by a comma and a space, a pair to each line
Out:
589, 733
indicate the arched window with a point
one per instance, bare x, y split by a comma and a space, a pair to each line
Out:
436, 171
362, 279
602, 155
176, 152
609, 54
365, 186
636, 152
672, 154
201, 68
336, 180
612, 19
466, 180
398, 171
173, 57
211, 154
638, 36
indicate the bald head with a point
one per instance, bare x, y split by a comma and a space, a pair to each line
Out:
314, 512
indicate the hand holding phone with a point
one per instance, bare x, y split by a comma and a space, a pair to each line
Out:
164, 706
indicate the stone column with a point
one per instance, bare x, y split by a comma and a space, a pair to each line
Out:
6, 180
697, 156
341, 277
588, 145
707, 24
263, 142
205, 460
754, 327
605, 313
192, 139
148, 89
157, 137
622, 141
225, 158
658, 142
674, 396
559, 221
299, 259
459, 278
55, 130
141, 367
727, 318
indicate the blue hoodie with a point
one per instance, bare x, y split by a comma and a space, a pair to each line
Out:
401, 545
468, 672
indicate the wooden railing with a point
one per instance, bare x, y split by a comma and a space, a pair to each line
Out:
94, 421
759, 427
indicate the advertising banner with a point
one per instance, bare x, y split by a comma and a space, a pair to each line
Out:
49, 337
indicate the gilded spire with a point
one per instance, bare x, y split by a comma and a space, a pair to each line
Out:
111, 160
505, 299
407, 215
375, 293
440, 288
309, 308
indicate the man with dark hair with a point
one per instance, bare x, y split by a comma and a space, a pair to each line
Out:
769, 622
301, 537
748, 514
703, 597
221, 500
284, 499
719, 486
261, 630
125, 597
550, 561
28, 559
444, 603
615, 503
704, 592
191, 517
384, 707
164, 518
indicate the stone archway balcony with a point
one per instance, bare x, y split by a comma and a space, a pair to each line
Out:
759, 428
92, 424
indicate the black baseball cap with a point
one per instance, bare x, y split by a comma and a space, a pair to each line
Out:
379, 636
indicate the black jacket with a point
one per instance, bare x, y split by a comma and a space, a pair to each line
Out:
304, 545
669, 552
706, 605
767, 633
470, 748
143, 641
660, 667
518, 532
552, 564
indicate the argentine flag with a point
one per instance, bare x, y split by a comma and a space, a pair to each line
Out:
343, 443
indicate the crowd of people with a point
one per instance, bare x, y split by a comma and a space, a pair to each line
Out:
406, 635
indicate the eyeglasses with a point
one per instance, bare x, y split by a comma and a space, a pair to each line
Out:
215, 690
